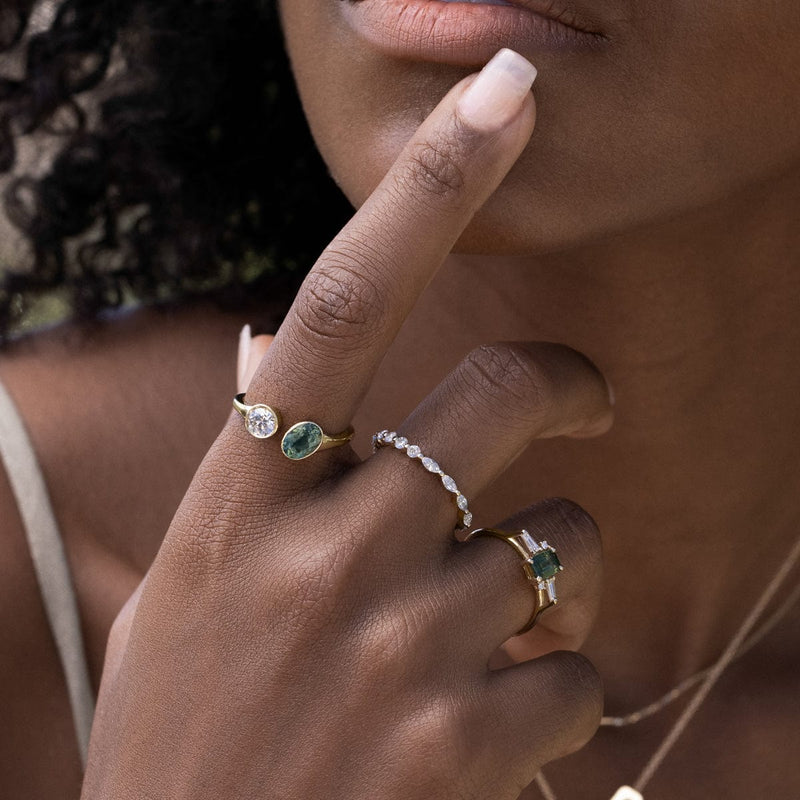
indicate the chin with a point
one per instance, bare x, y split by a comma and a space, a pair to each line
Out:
518, 220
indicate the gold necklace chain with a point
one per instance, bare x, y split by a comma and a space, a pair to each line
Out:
687, 683
736, 647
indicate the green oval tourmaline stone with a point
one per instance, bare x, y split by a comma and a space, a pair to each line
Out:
546, 564
301, 440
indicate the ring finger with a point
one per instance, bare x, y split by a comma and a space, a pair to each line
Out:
474, 424
499, 600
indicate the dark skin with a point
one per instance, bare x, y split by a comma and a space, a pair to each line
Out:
653, 223
685, 422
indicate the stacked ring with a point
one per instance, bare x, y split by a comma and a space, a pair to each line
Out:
390, 438
302, 440
540, 564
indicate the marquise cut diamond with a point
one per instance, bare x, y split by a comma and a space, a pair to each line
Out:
385, 438
449, 484
430, 465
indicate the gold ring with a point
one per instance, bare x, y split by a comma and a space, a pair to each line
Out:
302, 440
261, 420
540, 564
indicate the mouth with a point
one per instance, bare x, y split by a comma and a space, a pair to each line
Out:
469, 32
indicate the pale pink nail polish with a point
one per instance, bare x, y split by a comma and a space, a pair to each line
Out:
495, 96
243, 358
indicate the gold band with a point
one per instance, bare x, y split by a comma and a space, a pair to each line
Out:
540, 565
302, 440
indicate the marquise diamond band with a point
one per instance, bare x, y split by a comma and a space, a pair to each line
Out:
388, 438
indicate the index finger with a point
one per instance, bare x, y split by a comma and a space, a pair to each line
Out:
366, 281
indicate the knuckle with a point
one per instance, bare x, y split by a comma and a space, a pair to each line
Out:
339, 302
385, 649
215, 529
435, 169
206, 541
578, 687
507, 377
398, 643
327, 576
578, 521
439, 736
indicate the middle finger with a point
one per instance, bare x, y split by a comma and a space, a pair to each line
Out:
480, 418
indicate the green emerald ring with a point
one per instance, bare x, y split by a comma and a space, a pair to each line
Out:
539, 562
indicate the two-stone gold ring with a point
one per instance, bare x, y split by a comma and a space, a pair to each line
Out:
302, 440
539, 562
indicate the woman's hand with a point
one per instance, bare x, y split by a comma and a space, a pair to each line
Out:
312, 629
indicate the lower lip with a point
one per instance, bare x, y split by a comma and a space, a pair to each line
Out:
462, 33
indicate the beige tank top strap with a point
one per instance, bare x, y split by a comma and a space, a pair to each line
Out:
50, 563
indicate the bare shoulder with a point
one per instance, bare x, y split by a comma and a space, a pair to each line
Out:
120, 416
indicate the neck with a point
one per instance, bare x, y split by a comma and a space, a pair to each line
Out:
696, 487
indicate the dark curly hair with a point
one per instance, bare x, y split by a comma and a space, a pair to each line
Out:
195, 176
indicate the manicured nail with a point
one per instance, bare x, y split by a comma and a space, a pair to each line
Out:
612, 397
495, 96
243, 359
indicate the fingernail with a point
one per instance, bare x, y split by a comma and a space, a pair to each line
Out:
495, 96
612, 397
243, 359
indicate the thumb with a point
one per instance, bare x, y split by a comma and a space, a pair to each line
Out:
251, 351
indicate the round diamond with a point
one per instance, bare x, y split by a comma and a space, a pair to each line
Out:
449, 484
388, 436
431, 465
400, 442
467, 519
413, 451
461, 502
261, 422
